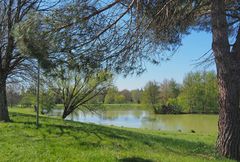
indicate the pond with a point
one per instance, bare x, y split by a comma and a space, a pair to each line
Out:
202, 123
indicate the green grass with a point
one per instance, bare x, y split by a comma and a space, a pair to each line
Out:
58, 140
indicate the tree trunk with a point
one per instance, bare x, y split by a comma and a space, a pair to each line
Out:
65, 112
228, 143
228, 72
4, 116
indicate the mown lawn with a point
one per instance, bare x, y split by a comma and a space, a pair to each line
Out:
58, 140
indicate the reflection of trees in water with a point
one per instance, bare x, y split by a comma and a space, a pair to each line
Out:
140, 113
199, 123
146, 119
79, 115
124, 114
150, 122
74, 115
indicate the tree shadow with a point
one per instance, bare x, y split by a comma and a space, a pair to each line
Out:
134, 159
174, 145
88, 130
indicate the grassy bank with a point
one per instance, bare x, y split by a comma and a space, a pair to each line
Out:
58, 140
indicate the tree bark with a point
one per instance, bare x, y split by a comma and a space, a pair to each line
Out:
4, 116
228, 142
228, 72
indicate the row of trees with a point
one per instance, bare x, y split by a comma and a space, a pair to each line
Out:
125, 96
197, 94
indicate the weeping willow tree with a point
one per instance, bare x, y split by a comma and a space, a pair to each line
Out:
77, 89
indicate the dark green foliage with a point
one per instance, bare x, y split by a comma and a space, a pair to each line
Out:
168, 109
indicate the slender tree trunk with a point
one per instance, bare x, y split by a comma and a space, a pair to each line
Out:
228, 72
38, 94
4, 116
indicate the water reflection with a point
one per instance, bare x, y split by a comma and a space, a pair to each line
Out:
145, 119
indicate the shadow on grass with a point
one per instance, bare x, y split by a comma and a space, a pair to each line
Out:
174, 145
134, 159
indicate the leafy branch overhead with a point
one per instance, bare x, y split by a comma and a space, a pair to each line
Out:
33, 40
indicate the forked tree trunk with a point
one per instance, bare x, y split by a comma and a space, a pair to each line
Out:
4, 116
65, 114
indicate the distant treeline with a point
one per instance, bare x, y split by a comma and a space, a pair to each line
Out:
197, 94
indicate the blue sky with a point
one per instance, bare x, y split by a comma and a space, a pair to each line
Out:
193, 47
